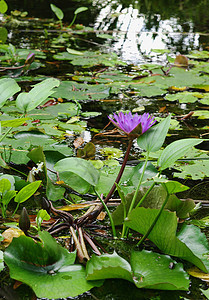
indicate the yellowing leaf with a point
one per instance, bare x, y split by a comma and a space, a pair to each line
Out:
195, 272
178, 89
75, 206
9, 234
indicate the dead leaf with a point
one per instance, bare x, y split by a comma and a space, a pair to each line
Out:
78, 142
17, 284
9, 234
101, 216
162, 109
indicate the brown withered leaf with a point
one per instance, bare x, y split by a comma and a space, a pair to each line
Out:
78, 142
101, 216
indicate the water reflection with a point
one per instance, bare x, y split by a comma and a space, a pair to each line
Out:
136, 26
135, 36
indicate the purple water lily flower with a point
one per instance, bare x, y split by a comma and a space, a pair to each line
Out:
132, 125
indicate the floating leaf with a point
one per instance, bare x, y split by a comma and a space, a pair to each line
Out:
13, 123
74, 52
155, 271
184, 97
147, 270
163, 235
108, 266
9, 234
81, 92
46, 267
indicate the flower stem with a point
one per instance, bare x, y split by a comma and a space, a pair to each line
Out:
120, 172
109, 215
139, 184
5, 134
145, 195
154, 222
81, 220
16, 209
125, 230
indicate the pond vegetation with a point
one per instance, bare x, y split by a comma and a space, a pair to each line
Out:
104, 151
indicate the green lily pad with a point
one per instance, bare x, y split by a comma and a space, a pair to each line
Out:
201, 114
198, 54
91, 59
81, 92
154, 271
146, 270
46, 267
184, 97
163, 235
108, 266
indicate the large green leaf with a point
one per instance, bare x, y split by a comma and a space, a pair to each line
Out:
80, 167
3, 6
146, 269
8, 87
153, 139
75, 182
40, 92
46, 267
154, 199
175, 151
196, 241
163, 235
154, 271
108, 266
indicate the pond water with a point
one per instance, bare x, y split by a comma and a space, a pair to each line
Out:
131, 29
136, 26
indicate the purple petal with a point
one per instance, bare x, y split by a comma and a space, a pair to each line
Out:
128, 122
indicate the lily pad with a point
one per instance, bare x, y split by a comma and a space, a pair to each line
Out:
164, 235
81, 92
108, 266
154, 271
46, 267
91, 59
146, 270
